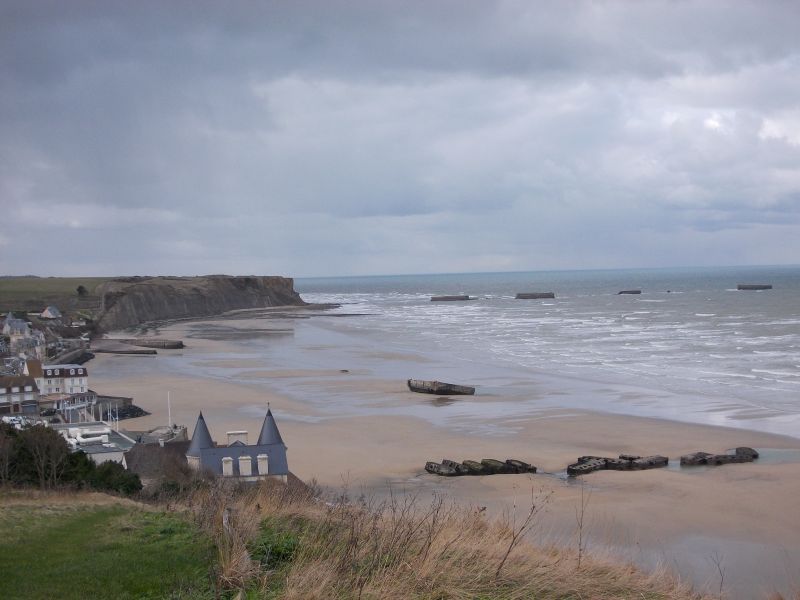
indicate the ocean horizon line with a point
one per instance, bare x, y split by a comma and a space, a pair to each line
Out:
567, 270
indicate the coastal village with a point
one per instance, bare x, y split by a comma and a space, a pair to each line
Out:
44, 381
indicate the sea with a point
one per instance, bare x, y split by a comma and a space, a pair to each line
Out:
690, 347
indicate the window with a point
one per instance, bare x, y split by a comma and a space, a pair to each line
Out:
28, 388
72, 371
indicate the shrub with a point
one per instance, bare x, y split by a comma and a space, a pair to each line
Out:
113, 476
273, 547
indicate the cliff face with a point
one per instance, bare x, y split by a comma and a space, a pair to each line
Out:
131, 301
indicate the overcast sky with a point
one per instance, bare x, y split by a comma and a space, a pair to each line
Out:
338, 138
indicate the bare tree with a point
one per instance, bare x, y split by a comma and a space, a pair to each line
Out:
6, 451
580, 516
48, 452
517, 531
717, 559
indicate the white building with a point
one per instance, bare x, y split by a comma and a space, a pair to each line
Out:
14, 327
58, 379
98, 440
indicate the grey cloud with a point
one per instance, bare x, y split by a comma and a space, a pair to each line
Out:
355, 137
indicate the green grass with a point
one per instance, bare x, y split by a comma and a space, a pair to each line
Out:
102, 552
34, 293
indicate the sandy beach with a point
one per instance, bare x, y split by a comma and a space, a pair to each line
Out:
742, 517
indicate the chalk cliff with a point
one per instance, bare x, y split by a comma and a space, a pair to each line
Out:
130, 301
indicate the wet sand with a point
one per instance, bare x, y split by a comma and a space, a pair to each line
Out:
743, 516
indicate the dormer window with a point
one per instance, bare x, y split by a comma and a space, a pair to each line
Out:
72, 371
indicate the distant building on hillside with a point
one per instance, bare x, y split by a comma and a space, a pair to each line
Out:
264, 459
22, 339
14, 327
51, 312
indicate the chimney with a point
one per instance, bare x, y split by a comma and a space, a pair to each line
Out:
237, 436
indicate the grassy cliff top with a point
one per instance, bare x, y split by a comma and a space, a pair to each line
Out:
35, 293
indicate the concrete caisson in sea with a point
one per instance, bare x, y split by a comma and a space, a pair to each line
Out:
754, 286
451, 298
535, 295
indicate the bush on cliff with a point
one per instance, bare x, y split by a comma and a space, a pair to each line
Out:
38, 455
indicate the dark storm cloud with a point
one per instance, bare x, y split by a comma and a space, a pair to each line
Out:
355, 137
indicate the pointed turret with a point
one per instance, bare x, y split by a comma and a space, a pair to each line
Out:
201, 438
269, 431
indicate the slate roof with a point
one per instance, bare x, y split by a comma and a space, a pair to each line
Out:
201, 438
269, 431
51, 312
21, 381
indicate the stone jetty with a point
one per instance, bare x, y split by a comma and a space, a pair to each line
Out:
152, 343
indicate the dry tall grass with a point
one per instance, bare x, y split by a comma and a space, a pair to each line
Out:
403, 548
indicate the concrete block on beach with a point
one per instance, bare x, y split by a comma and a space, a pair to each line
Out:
474, 467
535, 295
459, 468
740, 455
450, 298
487, 466
439, 469
519, 466
629, 292
625, 462
495, 467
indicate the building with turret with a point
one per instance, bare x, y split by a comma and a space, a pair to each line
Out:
238, 459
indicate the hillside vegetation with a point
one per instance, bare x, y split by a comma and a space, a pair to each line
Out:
270, 541
72, 547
